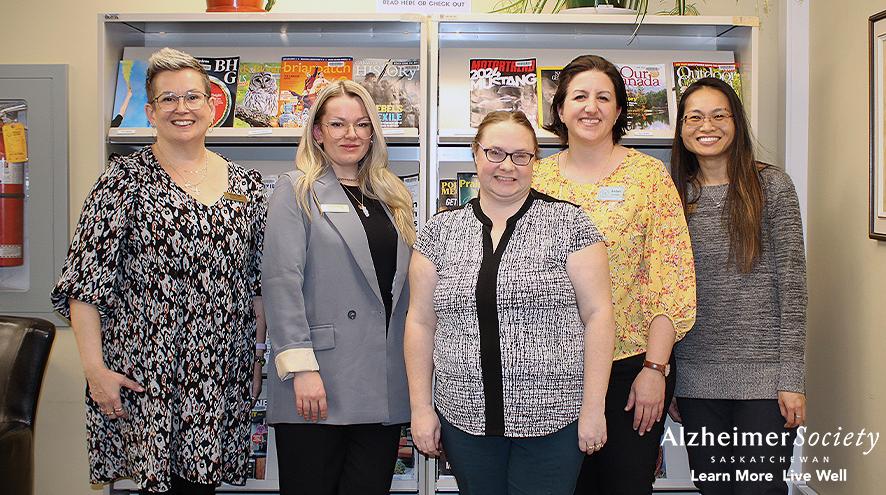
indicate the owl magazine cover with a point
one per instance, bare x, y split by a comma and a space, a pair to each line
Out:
257, 92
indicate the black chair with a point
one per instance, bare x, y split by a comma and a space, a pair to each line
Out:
24, 350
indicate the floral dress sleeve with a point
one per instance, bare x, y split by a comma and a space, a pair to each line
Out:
94, 260
669, 277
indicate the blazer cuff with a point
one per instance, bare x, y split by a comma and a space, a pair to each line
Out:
292, 361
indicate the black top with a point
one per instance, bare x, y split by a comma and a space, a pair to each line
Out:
487, 314
382, 237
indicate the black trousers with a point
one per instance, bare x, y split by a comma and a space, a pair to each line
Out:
626, 464
316, 459
181, 486
717, 416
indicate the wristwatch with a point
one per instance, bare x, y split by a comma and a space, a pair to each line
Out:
664, 369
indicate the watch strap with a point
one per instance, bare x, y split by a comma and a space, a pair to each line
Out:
664, 369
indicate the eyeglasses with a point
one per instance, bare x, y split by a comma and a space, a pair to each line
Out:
338, 129
194, 100
495, 155
696, 120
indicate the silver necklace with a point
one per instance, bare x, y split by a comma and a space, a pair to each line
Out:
192, 187
359, 201
710, 197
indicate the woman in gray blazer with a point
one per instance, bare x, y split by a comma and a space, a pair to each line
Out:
334, 281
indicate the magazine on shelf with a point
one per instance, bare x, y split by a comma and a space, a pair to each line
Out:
394, 86
222, 87
268, 181
404, 468
258, 440
301, 79
661, 468
503, 84
648, 113
130, 97
412, 185
468, 186
257, 93
447, 194
548, 79
443, 466
686, 73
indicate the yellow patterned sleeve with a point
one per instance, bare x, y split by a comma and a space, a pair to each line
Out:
669, 278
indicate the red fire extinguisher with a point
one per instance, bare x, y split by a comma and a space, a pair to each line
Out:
12, 196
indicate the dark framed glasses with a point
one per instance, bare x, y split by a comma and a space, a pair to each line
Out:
519, 158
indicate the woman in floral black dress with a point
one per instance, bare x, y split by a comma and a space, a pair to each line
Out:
162, 288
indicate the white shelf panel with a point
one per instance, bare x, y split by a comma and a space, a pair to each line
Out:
545, 138
590, 31
246, 136
269, 29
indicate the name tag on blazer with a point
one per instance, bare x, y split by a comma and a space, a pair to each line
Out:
334, 208
611, 193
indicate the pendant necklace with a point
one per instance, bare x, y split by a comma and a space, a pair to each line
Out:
360, 204
192, 187
717, 204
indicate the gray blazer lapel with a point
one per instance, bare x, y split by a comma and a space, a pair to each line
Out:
404, 252
348, 226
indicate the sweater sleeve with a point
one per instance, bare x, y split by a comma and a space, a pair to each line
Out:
786, 234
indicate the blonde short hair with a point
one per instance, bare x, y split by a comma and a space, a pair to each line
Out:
170, 59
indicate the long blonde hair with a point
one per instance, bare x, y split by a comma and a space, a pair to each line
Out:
373, 175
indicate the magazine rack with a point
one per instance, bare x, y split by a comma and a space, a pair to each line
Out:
263, 38
554, 40
439, 148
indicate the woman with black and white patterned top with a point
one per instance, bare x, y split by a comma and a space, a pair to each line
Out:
162, 287
510, 310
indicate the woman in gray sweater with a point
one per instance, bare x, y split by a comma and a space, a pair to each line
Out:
742, 367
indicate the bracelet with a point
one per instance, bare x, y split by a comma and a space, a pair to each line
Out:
261, 346
261, 360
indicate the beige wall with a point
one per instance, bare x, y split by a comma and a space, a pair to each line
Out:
847, 271
64, 32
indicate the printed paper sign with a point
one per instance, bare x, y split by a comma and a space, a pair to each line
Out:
423, 6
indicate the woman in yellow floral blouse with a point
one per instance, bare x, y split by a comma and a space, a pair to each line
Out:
632, 200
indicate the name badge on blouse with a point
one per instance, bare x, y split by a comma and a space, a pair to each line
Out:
334, 208
611, 193
235, 197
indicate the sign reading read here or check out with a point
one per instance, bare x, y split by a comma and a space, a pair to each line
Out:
423, 6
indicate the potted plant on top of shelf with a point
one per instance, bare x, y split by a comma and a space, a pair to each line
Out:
606, 6
538, 6
239, 5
